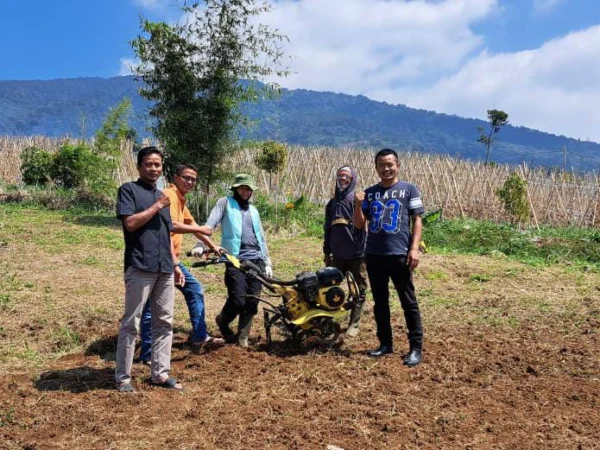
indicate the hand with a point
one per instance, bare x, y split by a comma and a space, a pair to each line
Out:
327, 260
198, 249
206, 230
359, 197
269, 271
163, 201
412, 260
179, 277
219, 250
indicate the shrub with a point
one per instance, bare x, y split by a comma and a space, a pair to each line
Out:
292, 218
514, 196
73, 165
36, 166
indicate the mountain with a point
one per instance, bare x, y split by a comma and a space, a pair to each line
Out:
78, 106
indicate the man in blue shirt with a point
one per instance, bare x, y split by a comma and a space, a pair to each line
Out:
392, 252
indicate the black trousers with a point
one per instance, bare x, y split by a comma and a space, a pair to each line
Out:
240, 286
381, 269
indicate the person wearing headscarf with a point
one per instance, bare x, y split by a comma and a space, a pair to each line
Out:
344, 244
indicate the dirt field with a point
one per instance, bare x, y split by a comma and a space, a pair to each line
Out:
512, 358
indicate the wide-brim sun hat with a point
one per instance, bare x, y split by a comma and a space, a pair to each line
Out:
243, 179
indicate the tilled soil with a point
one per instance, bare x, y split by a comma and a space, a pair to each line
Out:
512, 359
473, 390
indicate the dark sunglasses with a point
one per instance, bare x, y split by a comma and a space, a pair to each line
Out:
188, 179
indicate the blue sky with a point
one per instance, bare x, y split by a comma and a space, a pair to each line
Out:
536, 59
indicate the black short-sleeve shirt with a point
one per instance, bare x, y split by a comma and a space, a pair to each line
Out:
388, 210
149, 247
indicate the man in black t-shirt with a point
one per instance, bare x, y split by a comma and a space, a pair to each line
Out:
388, 208
151, 271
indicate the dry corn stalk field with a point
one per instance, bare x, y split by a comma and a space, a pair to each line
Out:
461, 188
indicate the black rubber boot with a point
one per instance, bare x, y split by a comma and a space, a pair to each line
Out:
355, 315
415, 355
244, 326
380, 351
223, 320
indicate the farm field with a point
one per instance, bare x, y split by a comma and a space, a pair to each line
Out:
511, 357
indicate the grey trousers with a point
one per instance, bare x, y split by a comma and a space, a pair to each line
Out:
159, 290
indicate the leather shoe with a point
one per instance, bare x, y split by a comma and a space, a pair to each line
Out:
381, 351
413, 358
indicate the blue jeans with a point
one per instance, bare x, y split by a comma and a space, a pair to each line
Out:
194, 297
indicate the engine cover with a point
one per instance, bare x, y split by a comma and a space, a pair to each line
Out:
331, 298
329, 276
294, 304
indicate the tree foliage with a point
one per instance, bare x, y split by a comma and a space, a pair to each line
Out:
497, 119
88, 169
113, 133
36, 166
514, 196
198, 73
272, 158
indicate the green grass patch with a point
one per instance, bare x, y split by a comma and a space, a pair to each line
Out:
548, 245
479, 278
297, 216
66, 339
434, 275
7, 416
436, 301
5, 301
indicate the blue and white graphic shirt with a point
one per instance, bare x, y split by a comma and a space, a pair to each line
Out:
388, 211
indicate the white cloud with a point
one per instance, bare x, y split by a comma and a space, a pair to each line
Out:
357, 46
151, 5
127, 66
425, 54
553, 88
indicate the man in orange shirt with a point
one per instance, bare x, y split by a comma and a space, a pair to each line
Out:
184, 181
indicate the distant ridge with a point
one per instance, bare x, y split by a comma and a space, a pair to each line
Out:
77, 106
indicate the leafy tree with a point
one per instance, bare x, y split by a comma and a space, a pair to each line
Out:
514, 196
272, 158
497, 120
198, 74
114, 132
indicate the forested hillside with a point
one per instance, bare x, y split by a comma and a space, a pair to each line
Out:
78, 106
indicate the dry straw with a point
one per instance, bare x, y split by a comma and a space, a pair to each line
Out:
461, 188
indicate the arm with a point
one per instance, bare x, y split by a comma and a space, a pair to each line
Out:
216, 215
201, 232
136, 221
214, 219
183, 222
417, 231
182, 228
359, 218
327, 233
179, 277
